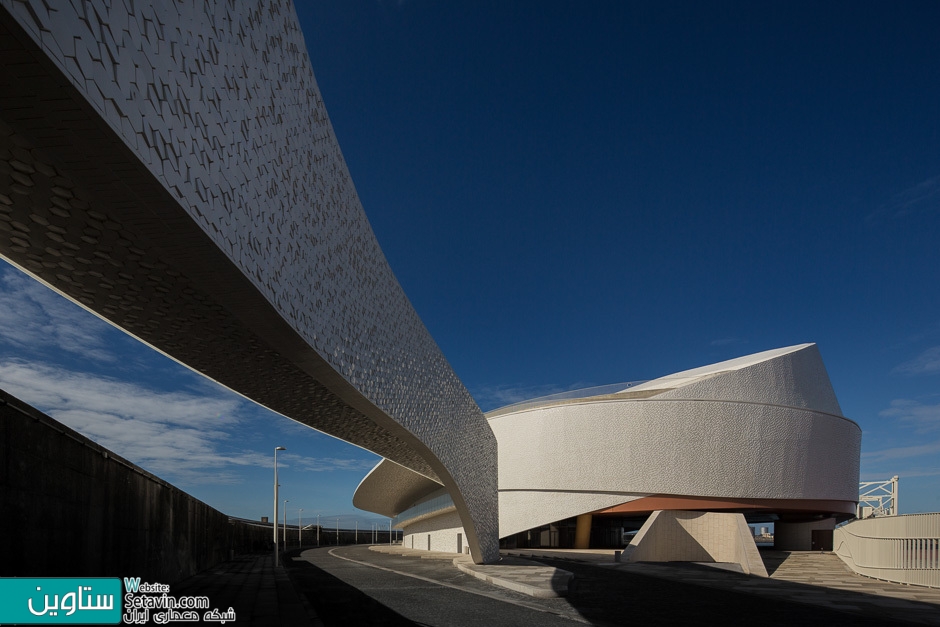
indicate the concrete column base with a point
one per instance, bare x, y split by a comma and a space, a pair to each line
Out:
682, 536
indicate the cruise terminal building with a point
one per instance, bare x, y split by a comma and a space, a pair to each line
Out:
756, 439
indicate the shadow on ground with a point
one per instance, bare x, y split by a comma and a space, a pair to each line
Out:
772, 561
336, 602
611, 597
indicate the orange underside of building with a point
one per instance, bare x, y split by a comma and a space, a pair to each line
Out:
650, 504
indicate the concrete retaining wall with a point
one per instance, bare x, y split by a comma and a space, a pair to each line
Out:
71, 508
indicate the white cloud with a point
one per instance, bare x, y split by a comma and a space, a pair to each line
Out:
176, 435
922, 417
910, 474
901, 452
33, 316
924, 196
324, 464
927, 362
495, 396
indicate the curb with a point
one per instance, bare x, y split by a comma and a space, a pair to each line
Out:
559, 580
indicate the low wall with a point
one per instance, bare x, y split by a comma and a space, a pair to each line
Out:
903, 549
71, 508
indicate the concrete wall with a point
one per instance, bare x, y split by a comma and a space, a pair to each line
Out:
71, 508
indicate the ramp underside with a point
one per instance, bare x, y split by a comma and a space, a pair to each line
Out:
79, 212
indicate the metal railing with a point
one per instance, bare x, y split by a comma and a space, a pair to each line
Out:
903, 549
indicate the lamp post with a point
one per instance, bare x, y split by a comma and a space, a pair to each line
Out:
318, 529
285, 523
337, 532
279, 448
300, 528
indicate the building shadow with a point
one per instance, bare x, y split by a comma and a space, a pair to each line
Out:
336, 602
609, 597
772, 559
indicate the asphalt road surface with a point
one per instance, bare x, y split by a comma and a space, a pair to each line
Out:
354, 586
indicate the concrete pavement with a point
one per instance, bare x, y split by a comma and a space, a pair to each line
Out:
819, 579
802, 586
525, 576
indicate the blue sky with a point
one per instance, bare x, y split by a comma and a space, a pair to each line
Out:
575, 195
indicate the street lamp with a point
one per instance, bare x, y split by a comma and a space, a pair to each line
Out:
285, 523
318, 529
300, 528
280, 448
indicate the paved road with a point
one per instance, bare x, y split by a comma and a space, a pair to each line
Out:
345, 588
352, 585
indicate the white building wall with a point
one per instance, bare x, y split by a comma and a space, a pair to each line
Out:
602, 452
436, 534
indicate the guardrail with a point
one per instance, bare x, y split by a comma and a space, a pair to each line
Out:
902, 549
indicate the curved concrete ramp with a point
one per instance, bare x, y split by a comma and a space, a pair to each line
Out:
173, 169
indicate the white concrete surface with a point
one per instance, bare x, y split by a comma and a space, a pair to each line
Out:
679, 536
